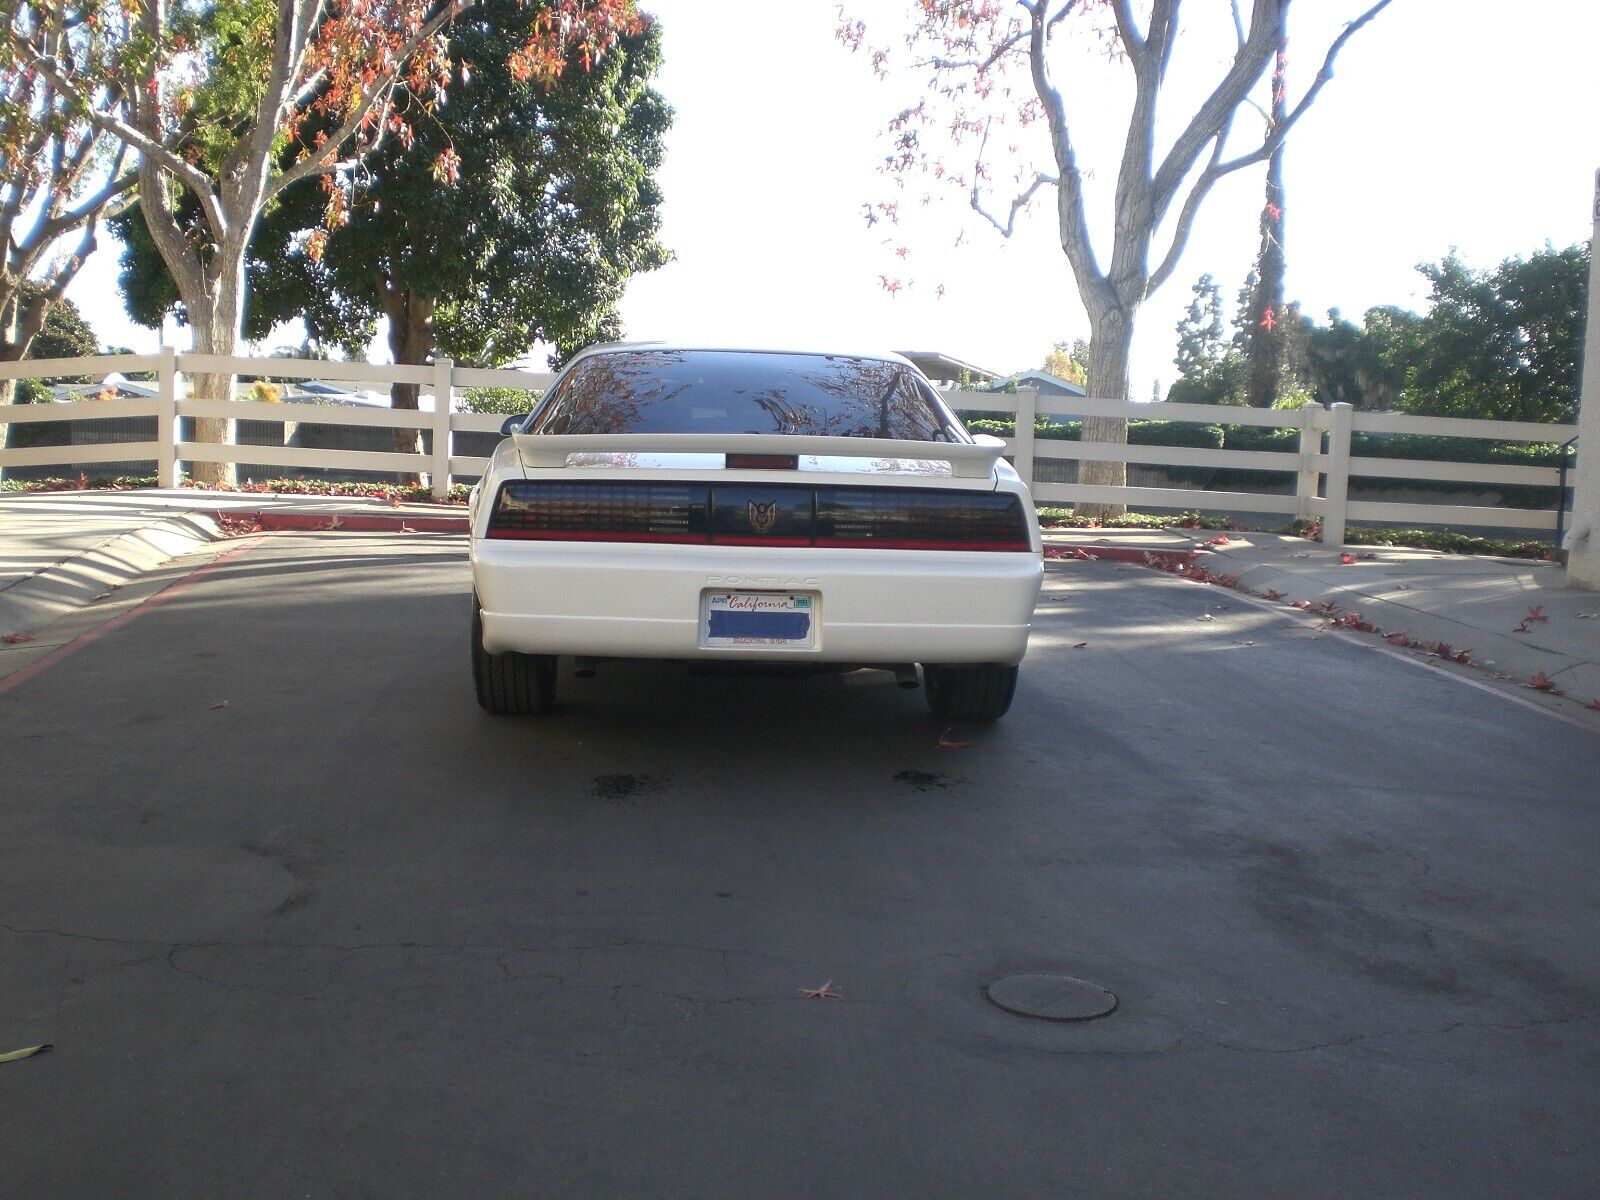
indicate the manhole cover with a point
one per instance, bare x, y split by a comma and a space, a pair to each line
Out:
1052, 997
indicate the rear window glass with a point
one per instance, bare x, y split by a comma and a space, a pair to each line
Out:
703, 391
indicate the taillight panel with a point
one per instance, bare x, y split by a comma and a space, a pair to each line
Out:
761, 515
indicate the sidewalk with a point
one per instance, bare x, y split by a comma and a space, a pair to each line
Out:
1469, 603
61, 550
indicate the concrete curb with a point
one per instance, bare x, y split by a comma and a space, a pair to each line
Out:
80, 578
1518, 655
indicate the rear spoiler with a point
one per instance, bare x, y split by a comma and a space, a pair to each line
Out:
967, 461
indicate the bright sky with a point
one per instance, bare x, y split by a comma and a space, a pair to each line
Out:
1466, 124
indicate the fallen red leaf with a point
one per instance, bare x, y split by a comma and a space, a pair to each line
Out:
944, 743
16, 639
219, 704
1272, 594
1220, 540
1080, 645
1302, 604
1346, 559
1595, 704
1541, 683
1398, 639
1535, 614
825, 992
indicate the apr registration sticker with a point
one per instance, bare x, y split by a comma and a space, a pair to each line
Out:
754, 620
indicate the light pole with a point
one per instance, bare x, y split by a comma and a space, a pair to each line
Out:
1583, 542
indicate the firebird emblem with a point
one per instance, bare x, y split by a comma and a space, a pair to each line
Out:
763, 516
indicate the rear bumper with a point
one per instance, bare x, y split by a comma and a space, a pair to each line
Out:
643, 601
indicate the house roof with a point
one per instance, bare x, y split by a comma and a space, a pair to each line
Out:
941, 367
1043, 380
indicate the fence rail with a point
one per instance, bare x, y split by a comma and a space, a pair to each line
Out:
1316, 472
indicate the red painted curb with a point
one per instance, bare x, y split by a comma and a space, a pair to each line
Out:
282, 522
1131, 554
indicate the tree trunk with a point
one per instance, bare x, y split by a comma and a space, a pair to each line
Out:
8, 396
218, 324
1266, 335
411, 343
1110, 339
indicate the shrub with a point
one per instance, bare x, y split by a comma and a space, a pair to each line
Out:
507, 402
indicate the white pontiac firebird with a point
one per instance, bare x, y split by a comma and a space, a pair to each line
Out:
820, 510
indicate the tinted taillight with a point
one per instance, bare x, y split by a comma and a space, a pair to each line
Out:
763, 462
757, 515
918, 519
601, 512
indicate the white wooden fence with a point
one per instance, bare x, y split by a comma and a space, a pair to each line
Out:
1321, 466
171, 402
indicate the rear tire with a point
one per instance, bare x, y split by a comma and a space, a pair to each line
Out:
981, 692
510, 685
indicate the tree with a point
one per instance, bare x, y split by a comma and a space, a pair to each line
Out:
1343, 362
1209, 368
59, 175
1069, 361
65, 334
216, 90
1498, 345
973, 51
555, 208
1266, 323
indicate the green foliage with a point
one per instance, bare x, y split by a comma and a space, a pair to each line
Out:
33, 391
555, 208
1445, 540
1210, 369
507, 402
1069, 361
65, 334
1498, 345
1068, 518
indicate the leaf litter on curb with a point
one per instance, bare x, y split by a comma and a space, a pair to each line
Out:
16, 639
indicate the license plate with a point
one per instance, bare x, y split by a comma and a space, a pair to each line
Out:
758, 619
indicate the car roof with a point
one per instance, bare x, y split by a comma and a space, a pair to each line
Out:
735, 348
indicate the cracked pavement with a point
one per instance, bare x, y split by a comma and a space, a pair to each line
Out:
348, 936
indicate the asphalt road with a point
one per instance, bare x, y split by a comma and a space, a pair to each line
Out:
347, 936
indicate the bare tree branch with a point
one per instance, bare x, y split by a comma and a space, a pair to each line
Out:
1069, 201
148, 146
1018, 203
1186, 215
1324, 74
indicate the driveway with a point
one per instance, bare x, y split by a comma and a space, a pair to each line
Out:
301, 921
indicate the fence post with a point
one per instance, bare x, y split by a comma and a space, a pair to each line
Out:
1305, 486
443, 395
1027, 413
167, 417
1336, 504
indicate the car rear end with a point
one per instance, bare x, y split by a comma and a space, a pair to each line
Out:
741, 543
677, 567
